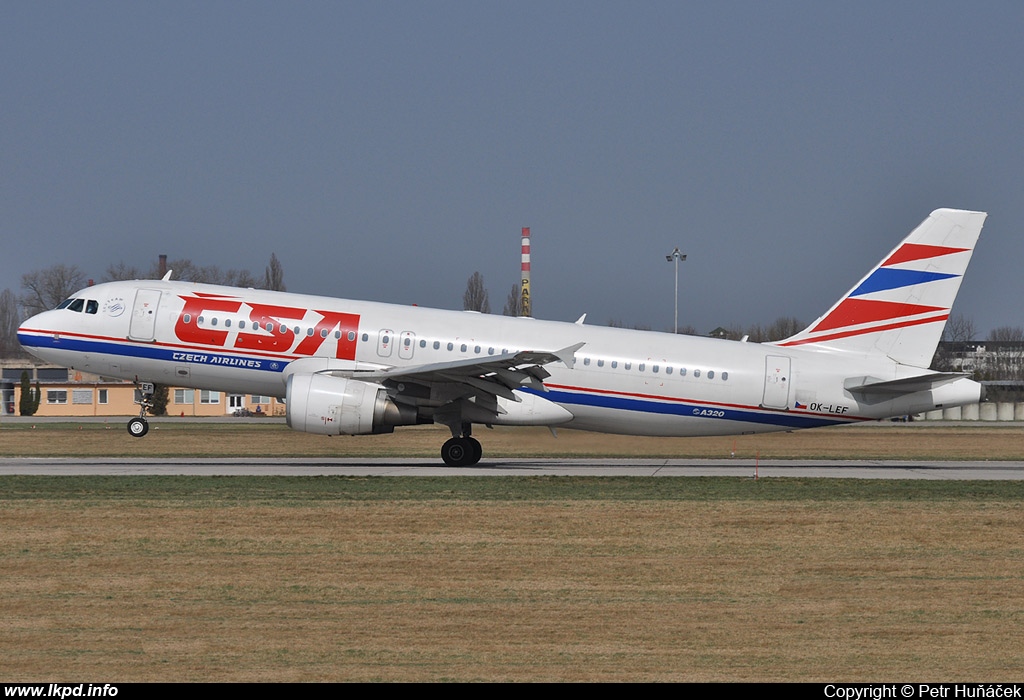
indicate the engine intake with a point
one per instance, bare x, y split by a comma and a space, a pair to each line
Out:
326, 405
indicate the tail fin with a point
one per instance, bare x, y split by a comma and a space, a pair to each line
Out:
900, 308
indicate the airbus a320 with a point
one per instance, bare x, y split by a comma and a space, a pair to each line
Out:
359, 367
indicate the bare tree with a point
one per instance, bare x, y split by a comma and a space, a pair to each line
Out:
181, 269
274, 277
959, 329
10, 319
120, 271
781, 328
184, 269
476, 298
240, 278
1005, 351
784, 327
514, 303
956, 334
45, 289
1007, 334
755, 334
616, 323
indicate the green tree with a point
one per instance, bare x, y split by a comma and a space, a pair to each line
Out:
29, 401
475, 298
514, 303
160, 399
274, 275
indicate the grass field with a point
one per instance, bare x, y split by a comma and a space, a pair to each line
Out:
971, 441
520, 579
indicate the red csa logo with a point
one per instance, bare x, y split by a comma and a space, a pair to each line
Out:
271, 331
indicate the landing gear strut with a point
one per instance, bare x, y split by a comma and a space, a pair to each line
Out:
464, 451
139, 426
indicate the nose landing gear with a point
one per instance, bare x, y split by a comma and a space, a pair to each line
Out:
139, 426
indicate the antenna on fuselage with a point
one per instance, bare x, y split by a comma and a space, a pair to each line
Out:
167, 277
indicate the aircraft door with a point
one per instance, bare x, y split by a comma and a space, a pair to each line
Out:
144, 315
777, 378
385, 342
407, 345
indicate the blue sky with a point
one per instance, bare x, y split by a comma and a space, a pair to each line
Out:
387, 150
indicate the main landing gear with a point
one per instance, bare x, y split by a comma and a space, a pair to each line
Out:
464, 451
139, 426
461, 452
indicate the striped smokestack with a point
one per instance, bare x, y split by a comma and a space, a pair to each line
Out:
524, 305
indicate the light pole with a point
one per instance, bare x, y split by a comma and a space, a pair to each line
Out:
676, 257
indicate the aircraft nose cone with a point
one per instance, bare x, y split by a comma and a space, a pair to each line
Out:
34, 330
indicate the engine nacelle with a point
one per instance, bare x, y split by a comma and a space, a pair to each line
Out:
326, 405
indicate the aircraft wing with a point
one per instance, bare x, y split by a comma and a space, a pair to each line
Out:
485, 378
497, 375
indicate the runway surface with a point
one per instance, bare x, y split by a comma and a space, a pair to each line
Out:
316, 466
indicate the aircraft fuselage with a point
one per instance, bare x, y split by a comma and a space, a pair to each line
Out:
623, 381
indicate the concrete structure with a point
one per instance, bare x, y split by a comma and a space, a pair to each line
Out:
66, 392
525, 303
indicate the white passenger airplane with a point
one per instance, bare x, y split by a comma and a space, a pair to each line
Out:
357, 367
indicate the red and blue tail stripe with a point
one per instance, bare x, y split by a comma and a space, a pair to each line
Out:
900, 308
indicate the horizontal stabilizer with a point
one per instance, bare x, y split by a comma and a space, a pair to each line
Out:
907, 385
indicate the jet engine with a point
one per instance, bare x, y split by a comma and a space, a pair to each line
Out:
326, 405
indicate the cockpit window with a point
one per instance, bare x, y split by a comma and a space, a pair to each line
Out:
77, 305
64, 304
92, 306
